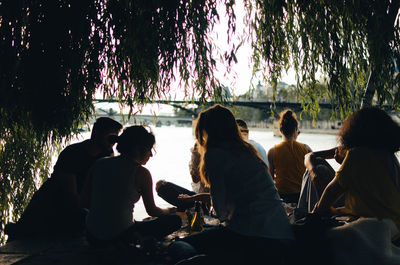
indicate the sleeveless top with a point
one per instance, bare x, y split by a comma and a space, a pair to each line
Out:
289, 166
114, 194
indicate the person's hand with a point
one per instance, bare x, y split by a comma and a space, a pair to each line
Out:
322, 212
185, 198
340, 154
172, 209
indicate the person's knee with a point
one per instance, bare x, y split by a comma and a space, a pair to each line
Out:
159, 184
323, 175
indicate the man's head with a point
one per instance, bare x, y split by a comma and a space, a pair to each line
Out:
243, 128
103, 130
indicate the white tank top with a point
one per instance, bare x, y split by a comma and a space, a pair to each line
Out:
113, 197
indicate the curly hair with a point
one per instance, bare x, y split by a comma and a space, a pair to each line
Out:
370, 127
288, 123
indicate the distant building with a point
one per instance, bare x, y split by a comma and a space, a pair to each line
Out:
263, 92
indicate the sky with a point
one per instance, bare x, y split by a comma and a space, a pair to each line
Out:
238, 80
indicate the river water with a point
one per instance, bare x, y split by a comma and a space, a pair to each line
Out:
171, 158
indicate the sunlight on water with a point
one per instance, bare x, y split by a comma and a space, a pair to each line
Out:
171, 160
172, 156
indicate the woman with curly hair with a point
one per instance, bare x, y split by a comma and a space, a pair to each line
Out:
286, 159
369, 176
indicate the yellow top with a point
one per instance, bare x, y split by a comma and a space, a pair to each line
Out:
369, 187
289, 166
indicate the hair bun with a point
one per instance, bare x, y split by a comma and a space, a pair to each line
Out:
288, 114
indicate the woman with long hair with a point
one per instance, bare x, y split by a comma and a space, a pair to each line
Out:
369, 176
243, 196
117, 184
286, 159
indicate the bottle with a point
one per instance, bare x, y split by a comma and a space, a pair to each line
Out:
196, 224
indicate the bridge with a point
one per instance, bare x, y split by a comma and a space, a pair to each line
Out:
184, 105
158, 120
262, 105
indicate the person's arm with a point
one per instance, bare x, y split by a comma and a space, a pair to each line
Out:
87, 191
67, 182
194, 165
308, 148
204, 197
271, 162
333, 192
311, 159
145, 185
219, 165
340, 154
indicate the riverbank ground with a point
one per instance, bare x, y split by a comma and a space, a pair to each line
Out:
74, 249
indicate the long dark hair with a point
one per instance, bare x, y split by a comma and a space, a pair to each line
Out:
370, 127
215, 127
288, 123
135, 138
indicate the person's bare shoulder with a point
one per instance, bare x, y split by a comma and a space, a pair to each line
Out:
142, 177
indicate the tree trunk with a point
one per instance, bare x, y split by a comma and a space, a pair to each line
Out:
369, 91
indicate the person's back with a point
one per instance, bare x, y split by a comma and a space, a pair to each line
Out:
369, 174
289, 166
114, 194
258, 210
362, 169
286, 160
117, 184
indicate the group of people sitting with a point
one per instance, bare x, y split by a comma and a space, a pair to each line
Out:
92, 190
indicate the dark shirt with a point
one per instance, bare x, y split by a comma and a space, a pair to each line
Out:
76, 160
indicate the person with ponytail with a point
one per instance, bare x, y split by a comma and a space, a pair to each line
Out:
369, 176
117, 184
243, 196
286, 159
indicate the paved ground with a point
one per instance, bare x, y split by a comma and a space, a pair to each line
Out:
76, 251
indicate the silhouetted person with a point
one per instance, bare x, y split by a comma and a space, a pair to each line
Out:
56, 208
286, 159
369, 176
245, 132
117, 184
317, 176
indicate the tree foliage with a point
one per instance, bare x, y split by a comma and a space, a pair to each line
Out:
347, 41
56, 54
